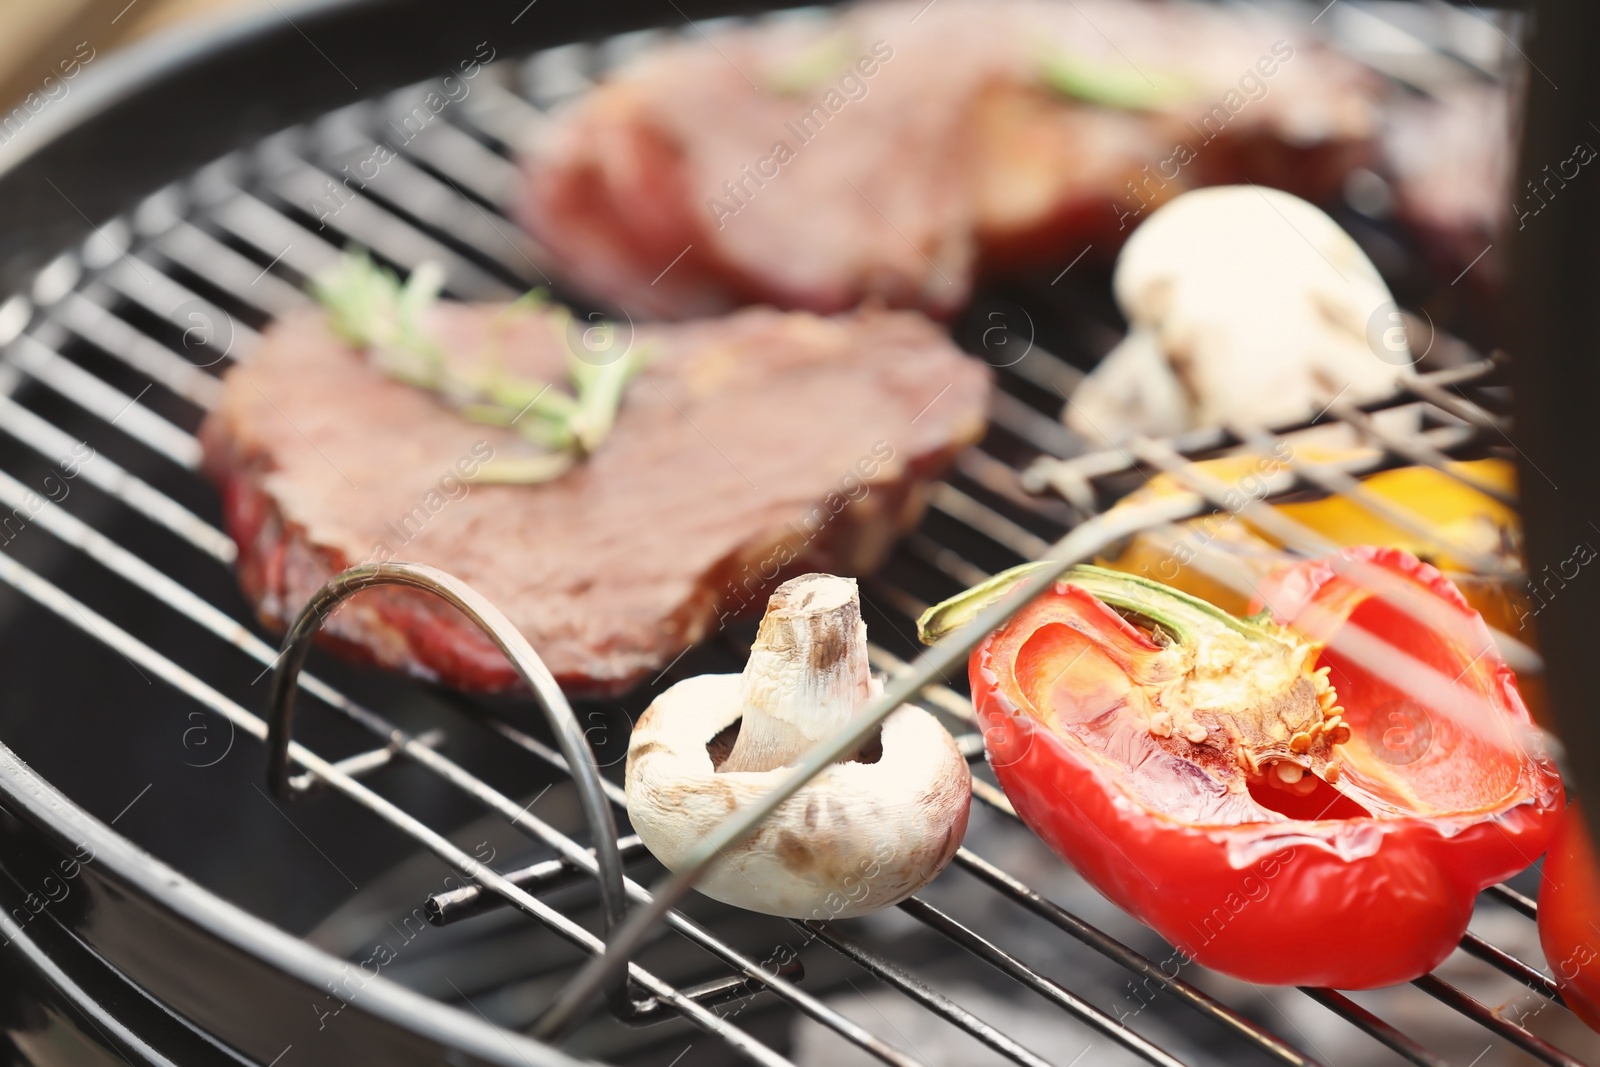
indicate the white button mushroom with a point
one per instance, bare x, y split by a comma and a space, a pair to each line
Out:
1245, 305
863, 834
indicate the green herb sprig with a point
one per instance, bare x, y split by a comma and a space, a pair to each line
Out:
369, 307
814, 66
1111, 84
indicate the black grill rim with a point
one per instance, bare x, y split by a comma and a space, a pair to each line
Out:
96, 131
169, 104
143, 907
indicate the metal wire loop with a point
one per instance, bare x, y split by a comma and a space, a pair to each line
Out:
558, 712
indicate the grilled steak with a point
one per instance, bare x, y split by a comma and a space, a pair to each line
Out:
893, 149
749, 449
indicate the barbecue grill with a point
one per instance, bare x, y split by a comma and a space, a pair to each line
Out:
166, 902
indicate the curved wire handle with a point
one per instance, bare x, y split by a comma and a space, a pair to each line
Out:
471, 603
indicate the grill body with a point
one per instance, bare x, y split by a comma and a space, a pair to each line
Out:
134, 962
205, 921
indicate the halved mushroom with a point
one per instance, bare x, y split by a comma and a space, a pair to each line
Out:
865, 833
1246, 305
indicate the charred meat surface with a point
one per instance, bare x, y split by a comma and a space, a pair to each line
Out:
895, 149
748, 449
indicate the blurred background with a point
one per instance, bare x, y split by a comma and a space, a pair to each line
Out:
34, 32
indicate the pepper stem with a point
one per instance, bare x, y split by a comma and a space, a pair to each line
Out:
1184, 617
807, 675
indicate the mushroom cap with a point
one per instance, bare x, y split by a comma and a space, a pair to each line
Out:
856, 838
1244, 304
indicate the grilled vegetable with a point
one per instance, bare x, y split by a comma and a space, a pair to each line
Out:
1569, 913
1244, 304
1273, 809
863, 834
1458, 517
1464, 526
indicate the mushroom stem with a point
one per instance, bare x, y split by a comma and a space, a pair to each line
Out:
807, 674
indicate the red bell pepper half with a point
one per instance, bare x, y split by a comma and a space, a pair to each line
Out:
1569, 918
1273, 809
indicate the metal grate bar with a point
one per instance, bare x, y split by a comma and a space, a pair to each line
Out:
81, 314
1048, 988
1047, 371
1028, 423
74, 383
469, 901
1003, 481
367, 762
1114, 461
366, 222
1369, 1023
613, 791
1459, 406
1071, 478
165, 297
987, 521
941, 697
54, 445
203, 255
946, 561
1338, 483
405, 186
1515, 900
1142, 966
1509, 965
1417, 450
907, 605
507, 117
460, 158
95, 625
1536, 1047
935, 1002
250, 220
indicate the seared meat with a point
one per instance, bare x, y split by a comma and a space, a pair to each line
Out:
889, 150
749, 449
